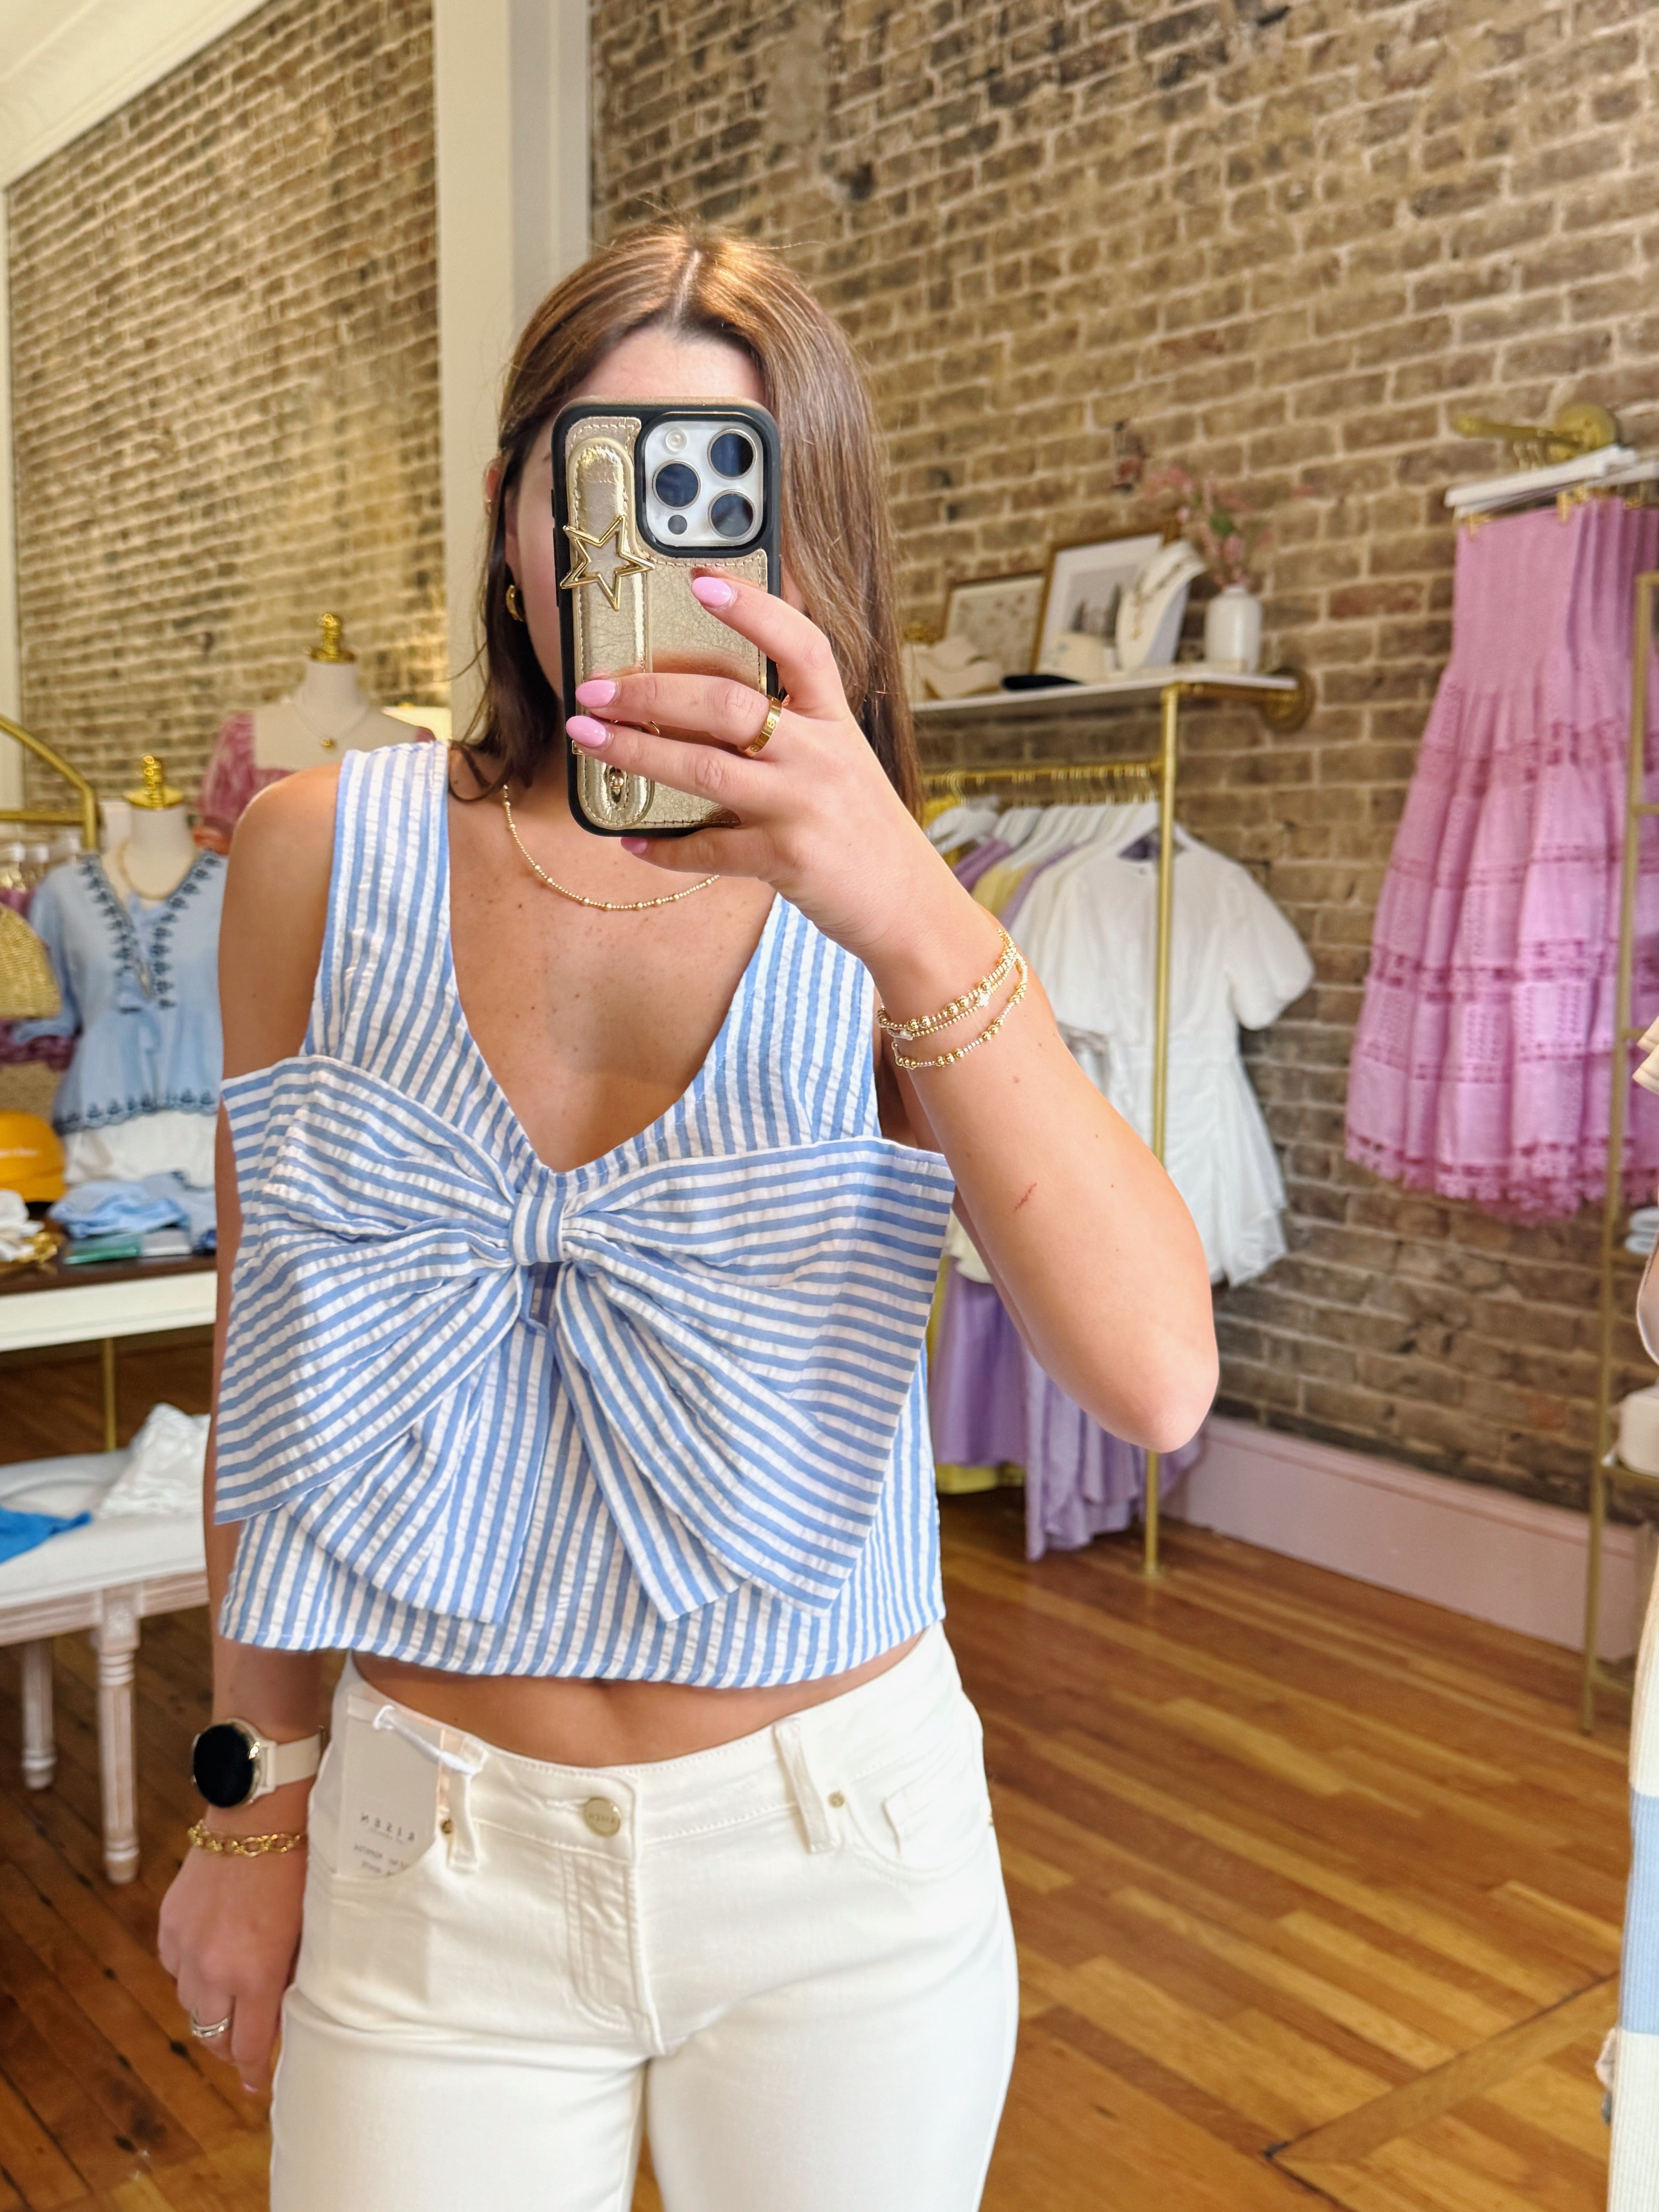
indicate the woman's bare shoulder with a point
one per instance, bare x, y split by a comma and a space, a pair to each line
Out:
276, 914
293, 820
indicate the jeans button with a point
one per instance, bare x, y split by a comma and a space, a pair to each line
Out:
602, 1816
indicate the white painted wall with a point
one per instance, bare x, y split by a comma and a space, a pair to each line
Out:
513, 199
63, 68
513, 206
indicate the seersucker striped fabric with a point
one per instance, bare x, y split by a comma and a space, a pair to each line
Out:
661, 1417
1633, 2181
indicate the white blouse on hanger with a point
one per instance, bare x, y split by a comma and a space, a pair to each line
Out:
1090, 930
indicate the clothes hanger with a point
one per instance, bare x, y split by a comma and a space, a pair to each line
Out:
965, 823
1058, 827
1148, 844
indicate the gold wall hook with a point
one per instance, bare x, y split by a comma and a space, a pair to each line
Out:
1582, 427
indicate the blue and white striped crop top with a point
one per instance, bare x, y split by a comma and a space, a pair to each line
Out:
662, 1418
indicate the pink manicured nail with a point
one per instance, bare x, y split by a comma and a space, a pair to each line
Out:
585, 731
638, 847
597, 691
713, 590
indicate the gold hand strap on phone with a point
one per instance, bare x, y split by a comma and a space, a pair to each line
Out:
632, 609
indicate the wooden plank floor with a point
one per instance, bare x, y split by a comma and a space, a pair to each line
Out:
1317, 1890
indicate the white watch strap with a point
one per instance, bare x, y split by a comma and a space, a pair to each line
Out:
280, 1763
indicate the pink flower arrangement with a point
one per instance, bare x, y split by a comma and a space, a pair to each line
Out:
1216, 524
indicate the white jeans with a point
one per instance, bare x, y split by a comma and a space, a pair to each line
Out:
789, 1959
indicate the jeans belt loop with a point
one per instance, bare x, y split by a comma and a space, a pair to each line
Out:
455, 1804
810, 1800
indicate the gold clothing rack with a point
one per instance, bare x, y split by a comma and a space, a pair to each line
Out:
1284, 700
85, 816
1048, 783
1607, 1470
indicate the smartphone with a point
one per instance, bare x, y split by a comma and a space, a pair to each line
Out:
645, 495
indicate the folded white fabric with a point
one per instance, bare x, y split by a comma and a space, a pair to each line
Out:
17, 1231
164, 1462
1642, 1230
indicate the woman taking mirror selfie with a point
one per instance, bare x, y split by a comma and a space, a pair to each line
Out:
591, 1194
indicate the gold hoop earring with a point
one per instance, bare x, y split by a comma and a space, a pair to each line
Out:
512, 606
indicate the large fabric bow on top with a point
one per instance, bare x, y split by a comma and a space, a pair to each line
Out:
738, 1335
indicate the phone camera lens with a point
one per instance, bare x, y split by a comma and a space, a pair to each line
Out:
677, 485
733, 456
732, 515
678, 525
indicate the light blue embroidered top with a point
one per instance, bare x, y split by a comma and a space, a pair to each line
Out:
140, 986
661, 1418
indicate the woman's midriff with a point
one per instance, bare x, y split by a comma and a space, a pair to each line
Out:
585, 1723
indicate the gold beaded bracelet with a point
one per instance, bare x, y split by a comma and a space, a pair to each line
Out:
242, 1847
947, 1059
976, 1000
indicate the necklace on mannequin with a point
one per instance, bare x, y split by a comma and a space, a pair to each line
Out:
324, 739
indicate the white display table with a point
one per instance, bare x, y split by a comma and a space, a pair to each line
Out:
107, 1576
96, 1305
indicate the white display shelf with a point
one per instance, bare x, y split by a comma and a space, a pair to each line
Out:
90, 1310
1617, 1467
1138, 683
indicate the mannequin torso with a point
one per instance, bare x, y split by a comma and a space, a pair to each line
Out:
328, 714
157, 854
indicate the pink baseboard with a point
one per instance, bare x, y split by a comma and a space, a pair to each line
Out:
1477, 1551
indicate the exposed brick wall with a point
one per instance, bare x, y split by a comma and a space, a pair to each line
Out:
1289, 242
225, 384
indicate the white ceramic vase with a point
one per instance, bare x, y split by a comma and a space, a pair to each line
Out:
1232, 630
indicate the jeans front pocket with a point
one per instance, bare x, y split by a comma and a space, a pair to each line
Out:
926, 1817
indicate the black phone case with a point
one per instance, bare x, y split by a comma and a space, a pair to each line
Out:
599, 445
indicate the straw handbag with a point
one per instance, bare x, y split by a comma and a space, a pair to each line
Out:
28, 989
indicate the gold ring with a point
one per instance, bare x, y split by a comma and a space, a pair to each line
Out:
773, 716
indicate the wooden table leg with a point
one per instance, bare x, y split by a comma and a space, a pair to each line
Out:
115, 1641
39, 1745
112, 1425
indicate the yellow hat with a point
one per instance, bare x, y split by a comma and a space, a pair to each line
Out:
31, 1158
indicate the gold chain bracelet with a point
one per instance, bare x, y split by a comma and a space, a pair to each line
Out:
948, 1059
242, 1847
921, 1025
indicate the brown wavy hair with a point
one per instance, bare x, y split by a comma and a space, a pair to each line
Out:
837, 542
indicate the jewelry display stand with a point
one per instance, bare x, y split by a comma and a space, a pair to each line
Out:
85, 815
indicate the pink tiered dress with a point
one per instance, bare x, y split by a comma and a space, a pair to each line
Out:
1481, 1064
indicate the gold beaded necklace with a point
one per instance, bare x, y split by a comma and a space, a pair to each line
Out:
603, 906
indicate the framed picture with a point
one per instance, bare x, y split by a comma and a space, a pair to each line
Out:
1085, 586
998, 615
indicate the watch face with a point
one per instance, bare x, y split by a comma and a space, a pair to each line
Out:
222, 1763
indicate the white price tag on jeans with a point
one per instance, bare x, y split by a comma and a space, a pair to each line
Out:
388, 1795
